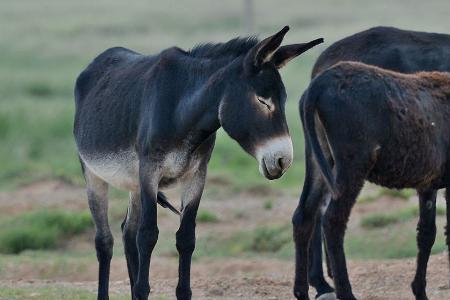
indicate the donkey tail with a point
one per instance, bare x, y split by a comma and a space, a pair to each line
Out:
309, 111
164, 202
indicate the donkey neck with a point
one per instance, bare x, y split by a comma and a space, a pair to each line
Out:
198, 110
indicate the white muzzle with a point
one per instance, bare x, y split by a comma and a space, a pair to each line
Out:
275, 156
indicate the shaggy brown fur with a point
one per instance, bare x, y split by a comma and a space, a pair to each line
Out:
365, 123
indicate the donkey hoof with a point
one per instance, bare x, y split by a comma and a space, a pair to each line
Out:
184, 294
327, 296
301, 296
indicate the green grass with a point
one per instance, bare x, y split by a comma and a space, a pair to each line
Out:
206, 216
397, 241
268, 204
275, 240
269, 240
56, 293
404, 194
394, 193
45, 44
377, 220
44, 229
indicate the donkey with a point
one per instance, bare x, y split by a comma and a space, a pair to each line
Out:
362, 123
146, 123
389, 48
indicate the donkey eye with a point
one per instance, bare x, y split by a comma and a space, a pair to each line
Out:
264, 101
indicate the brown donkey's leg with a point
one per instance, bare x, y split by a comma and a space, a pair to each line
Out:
334, 226
315, 269
426, 234
303, 220
447, 226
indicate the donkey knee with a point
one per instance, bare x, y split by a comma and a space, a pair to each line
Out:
104, 245
185, 244
147, 237
302, 220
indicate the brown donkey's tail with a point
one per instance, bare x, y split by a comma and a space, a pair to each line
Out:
310, 107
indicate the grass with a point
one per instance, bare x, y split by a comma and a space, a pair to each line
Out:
404, 194
275, 240
206, 216
378, 220
56, 293
394, 193
44, 229
268, 204
397, 241
45, 44
267, 240
43, 51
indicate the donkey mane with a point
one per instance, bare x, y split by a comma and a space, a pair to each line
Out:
234, 47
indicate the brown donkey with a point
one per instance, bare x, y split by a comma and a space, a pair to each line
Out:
365, 123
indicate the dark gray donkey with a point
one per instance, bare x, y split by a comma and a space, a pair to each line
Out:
390, 48
145, 123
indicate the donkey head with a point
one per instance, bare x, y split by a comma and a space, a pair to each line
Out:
252, 108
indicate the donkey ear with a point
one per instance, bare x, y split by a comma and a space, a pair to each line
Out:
286, 53
263, 51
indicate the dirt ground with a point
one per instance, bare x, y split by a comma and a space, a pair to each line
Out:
272, 279
218, 278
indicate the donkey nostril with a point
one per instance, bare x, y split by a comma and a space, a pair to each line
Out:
281, 163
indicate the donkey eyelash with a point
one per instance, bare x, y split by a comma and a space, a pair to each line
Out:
264, 101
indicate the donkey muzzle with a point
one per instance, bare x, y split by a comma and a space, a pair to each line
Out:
275, 157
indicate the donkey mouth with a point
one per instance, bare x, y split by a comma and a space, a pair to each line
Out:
266, 172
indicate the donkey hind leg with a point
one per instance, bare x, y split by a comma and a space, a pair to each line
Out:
303, 222
129, 232
97, 192
334, 226
315, 269
185, 236
426, 234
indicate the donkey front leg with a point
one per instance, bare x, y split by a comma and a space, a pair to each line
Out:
97, 192
186, 233
148, 232
426, 234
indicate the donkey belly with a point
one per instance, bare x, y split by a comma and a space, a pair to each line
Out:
408, 169
120, 169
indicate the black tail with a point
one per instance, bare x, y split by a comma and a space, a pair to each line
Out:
164, 202
309, 112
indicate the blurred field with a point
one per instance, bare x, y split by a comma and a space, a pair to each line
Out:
244, 220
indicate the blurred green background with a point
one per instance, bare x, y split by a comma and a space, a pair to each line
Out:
45, 44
